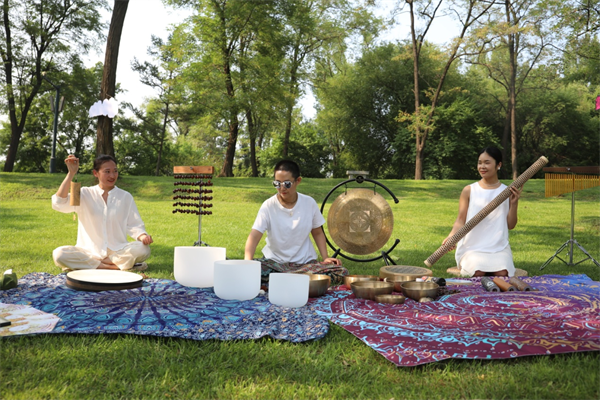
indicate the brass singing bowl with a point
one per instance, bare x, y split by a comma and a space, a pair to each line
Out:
360, 221
357, 278
390, 298
398, 281
369, 289
418, 290
318, 284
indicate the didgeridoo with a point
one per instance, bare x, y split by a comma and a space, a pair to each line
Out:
503, 285
485, 211
519, 284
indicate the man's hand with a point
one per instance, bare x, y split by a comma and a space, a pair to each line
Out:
145, 238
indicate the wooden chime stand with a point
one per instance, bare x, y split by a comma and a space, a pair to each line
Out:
560, 180
195, 204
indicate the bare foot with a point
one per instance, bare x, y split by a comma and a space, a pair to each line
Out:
107, 266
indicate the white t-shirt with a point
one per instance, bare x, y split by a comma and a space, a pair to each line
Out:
103, 225
491, 234
288, 230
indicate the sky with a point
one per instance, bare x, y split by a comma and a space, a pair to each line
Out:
147, 17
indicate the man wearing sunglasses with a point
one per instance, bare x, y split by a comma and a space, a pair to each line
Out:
290, 218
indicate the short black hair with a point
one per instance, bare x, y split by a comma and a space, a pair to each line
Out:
101, 159
494, 152
289, 166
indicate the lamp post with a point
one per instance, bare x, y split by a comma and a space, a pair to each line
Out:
57, 106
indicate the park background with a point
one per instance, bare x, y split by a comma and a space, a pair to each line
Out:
227, 84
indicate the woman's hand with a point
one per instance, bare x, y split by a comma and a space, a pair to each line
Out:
515, 194
72, 164
145, 238
444, 242
331, 260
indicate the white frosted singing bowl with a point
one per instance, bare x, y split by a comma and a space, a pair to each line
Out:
237, 279
288, 290
194, 265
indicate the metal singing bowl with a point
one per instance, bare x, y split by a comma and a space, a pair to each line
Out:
390, 298
318, 285
398, 281
360, 221
356, 278
369, 289
418, 290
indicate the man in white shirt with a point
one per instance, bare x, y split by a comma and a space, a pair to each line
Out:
290, 218
106, 216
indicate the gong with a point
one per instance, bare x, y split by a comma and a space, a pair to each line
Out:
360, 221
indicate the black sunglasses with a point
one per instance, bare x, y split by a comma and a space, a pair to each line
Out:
286, 184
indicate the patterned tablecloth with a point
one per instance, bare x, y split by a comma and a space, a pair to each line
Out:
562, 317
164, 308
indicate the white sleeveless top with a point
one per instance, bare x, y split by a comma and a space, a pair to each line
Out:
491, 234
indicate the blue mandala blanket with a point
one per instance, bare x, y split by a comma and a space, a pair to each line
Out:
164, 308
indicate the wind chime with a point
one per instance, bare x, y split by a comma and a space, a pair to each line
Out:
192, 193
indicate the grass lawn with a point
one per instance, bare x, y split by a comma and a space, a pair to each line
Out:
338, 366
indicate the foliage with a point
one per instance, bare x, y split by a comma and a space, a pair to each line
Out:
40, 36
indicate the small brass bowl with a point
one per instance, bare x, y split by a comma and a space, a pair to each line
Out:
390, 298
418, 290
369, 289
318, 284
398, 281
348, 280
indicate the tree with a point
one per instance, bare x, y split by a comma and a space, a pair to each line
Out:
161, 77
37, 37
213, 42
104, 140
522, 35
76, 132
468, 12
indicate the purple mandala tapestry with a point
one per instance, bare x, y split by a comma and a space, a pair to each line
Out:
164, 308
562, 317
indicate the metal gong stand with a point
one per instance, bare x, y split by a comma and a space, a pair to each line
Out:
362, 220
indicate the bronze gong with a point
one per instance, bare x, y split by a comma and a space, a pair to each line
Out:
360, 221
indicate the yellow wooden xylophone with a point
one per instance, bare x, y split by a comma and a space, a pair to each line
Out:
561, 180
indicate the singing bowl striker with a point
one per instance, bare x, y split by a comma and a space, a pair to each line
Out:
418, 290
390, 298
349, 279
360, 221
318, 285
369, 289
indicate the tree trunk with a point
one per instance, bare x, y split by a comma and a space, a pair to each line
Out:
162, 139
512, 96
290, 107
104, 134
252, 135
16, 126
420, 140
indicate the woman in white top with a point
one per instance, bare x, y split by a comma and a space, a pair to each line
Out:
106, 216
485, 249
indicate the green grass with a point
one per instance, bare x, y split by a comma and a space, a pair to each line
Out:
338, 366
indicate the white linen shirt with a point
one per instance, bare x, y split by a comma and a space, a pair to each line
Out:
288, 230
103, 225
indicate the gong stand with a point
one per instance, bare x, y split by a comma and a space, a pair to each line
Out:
191, 193
337, 250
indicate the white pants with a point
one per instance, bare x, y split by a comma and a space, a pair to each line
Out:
473, 261
72, 257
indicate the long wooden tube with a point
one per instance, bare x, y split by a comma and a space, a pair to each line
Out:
485, 211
